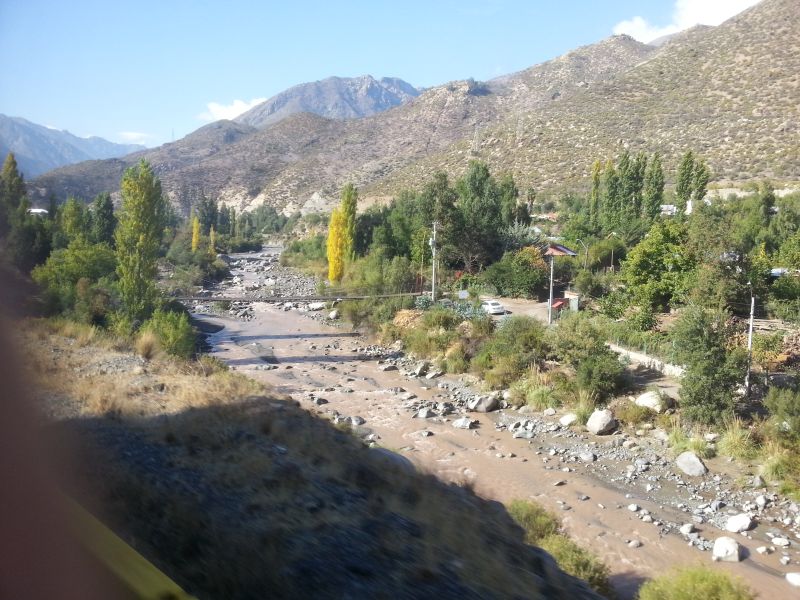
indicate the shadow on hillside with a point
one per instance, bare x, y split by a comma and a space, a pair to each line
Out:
263, 499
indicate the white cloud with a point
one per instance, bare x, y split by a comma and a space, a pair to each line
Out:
685, 14
134, 137
218, 111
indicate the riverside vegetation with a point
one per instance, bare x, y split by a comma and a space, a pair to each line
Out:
489, 241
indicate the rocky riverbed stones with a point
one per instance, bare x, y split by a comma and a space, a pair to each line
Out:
464, 423
690, 463
483, 404
726, 549
739, 523
601, 422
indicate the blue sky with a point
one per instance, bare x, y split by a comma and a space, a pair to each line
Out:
139, 71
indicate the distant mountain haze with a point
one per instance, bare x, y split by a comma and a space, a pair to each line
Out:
728, 92
334, 97
39, 149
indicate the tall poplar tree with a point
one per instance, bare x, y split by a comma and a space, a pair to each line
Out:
195, 234
103, 220
653, 195
702, 174
348, 209
138, 236
685, 182
595, 208
336, 245
612, 203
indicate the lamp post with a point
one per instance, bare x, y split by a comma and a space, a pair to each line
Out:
586, 250
749, 341
432, 242
608, 237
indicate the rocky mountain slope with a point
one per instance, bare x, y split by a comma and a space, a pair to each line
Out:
334, 97
39, 149
727, 92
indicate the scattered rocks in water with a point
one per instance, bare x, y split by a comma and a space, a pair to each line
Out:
634, 544
601, 422
424, 413
464, 423
387, 367
726, 549
690, 463
687, 528
355, 421
793, 579
483, 404
781, 542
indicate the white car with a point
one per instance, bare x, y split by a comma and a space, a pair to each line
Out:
493, 307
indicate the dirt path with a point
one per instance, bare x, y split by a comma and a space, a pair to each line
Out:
307, 357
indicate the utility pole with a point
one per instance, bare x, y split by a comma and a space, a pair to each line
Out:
432, 242
750, 342
586, 250
550, 303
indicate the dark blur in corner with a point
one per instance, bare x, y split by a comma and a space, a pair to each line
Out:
39, 558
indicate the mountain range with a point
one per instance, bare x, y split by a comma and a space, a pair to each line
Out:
334, 97
39, 149
728, 92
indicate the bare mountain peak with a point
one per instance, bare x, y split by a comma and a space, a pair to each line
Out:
333, 97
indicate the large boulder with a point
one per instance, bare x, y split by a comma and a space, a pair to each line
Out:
483, 404
316, 305
601, 422
690, 463
726, 549
568, 419
739, 523
652, 400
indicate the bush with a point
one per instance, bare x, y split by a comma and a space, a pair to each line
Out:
577, 338
518, 343
633, 414
423, 302
517, 274
534, 519
147, 344
784, 406
65, 268
737, 441
579, 562
175, 334
692, 583
601, 374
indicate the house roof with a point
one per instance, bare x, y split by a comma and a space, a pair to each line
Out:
560, 303
559, 250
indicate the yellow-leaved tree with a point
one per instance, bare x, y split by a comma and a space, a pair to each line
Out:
195, 234
336, 245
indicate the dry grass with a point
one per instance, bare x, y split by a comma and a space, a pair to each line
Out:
737, 441
147, 345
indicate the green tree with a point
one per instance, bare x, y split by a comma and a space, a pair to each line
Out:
612, 203
103, 220
658, 269
12, 183
685, 183
595, 208
207, 214
713, 372
73, 219
478, 233
349, 207
653, 194
702, 175
138, 237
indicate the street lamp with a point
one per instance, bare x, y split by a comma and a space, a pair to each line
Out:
552, 251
